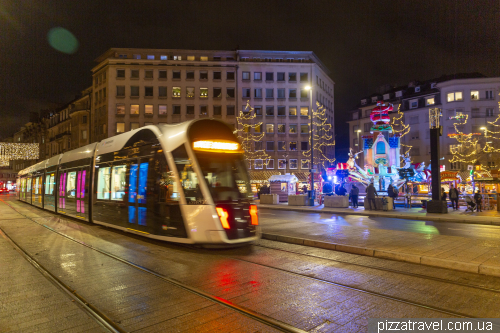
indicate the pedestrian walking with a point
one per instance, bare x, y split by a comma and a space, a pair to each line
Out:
443, 194
371, 192
478, 198
454, 197
392, 192
354, 196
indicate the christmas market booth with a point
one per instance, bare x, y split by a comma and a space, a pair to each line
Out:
450, 178
259, 178
283, 185
487, 183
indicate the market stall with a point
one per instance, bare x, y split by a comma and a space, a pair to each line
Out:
283, 185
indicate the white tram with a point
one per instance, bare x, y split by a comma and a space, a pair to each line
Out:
184, 183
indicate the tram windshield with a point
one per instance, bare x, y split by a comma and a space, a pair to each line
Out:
226, 176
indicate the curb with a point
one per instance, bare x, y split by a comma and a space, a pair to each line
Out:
475, 219
397, 256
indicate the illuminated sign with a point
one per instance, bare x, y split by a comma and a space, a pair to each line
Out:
221, 146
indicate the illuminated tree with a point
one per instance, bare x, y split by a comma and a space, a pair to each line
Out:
400, 128
323, 139
250, 134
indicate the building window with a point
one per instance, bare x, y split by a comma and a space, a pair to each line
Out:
304, 77
430, 101
162, 109
380, 147
281, 163
355, 115
203, 75
281, 146
162, 74
292, 111
203, 110
257, 76
258, 93
304, 93
258, 164
134, 74
258, 110
163, 57
189, 109
292, 129
162, 91
269, 110
355, 128
134, 109
148, 109
281, 128
245, 93
189, 75
217, 93
134, 91
489, 93
414, 104
292, 93
258, 128
245, 76
84, 134
176, 91
148, 74
148, 91
190, 92
281, 111
120, 108
269, 128
230, 110
304, 164
304, 145
292, 77
270, 164
304, 111
269, 76
230, 76
176, 75
120, 127
120, 91
280, 77
281, 93
293, 163
177, 57
293, 145
367, 127
258, 146
217, 110
455, 96
489, 112
217, 75
270, 145
269, 93
203, 58
120, 73
134, 126
304, 129
474, 95
230, 93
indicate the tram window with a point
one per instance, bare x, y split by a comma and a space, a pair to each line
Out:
36, 185
187, 175
47, 184
118, 182
71, 185
52, 183
103, 183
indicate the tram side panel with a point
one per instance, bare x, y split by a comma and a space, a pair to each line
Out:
73, 189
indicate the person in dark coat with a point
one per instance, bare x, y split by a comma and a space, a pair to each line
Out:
392, 193
354, 196
342, 191
454, 197
371, 192
478, 198
443, 194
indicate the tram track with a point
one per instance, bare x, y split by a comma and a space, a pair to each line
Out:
271, 322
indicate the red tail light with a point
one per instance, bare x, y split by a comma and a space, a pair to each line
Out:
223, 216
253, 215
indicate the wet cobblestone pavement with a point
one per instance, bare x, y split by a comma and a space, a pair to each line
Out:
312, 289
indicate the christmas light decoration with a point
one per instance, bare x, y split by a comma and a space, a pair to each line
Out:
18, 151
322, 138
401, 130
250, 132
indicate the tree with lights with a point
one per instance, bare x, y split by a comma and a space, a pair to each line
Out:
250, 134
323, 139
399, 128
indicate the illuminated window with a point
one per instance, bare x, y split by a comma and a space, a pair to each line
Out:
430, 101
474, 95
176, 91
258, 128
103, 179
151, 57
292, 129
190, 92
281, 128
454, 96
120, 127
84, 134
269, 128
203, 92
177, 57
162, 109
134, 109
281, 163
414, 104
304, 129
163, 57
304, 164
258, 164
293, 163
203, 58
292, 110
118, 183
148, 109
120, 108
190, 58
304, 111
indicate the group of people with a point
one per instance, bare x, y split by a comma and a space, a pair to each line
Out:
454, 193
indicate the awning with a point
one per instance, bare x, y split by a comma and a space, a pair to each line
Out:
261, 176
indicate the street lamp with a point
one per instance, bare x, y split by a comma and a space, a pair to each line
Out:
358, 131
311, 193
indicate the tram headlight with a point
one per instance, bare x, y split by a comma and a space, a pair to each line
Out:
253, 215
223, 216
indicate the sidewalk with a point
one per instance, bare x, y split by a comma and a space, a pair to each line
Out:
466, 254
490, 217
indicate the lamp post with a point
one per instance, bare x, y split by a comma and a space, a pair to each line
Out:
311, 192
358, 131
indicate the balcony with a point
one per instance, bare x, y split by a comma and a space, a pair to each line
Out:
60, 135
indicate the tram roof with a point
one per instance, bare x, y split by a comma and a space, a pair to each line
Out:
79, 153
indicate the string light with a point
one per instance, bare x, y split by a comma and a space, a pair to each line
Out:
18, 151
248, 135
405, 129
322, 138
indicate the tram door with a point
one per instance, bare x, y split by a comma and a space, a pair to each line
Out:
61, 204
137, 209
28, 190
72, 196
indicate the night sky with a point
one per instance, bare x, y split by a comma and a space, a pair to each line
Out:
365, 44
